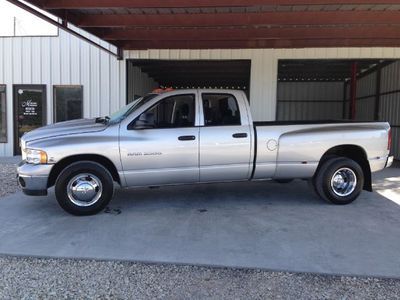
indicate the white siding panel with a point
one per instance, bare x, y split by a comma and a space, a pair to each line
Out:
17, 60
26, 67
65, 58
114, 86
55, 60
36, 59
94, 83
2, 55
75, 60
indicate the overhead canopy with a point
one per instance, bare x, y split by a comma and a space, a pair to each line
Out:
196, 24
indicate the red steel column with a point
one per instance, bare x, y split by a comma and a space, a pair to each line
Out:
353, 90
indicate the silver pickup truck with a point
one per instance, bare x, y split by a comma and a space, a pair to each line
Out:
197, 136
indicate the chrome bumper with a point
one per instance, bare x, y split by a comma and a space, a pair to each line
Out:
389, 161
33, 178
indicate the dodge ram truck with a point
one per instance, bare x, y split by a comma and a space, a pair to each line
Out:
197, 136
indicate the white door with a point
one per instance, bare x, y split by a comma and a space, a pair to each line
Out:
162, 145
225, 139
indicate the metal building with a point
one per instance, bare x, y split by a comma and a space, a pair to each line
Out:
108, 53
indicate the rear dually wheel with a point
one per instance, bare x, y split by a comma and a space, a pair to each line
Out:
339, 180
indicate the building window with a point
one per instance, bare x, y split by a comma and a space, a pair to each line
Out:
68, 103
3, 115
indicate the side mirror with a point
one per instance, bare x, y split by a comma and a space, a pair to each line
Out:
145, 121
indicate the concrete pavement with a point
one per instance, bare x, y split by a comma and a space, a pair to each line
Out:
256, 225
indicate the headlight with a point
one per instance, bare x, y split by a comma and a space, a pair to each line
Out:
35, 156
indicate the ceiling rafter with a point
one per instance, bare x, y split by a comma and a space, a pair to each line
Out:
275, 33
93, 4
253, 44
239, 19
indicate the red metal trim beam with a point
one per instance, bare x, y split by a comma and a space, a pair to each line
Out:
253, 44
94, 4
241, 19
224, 34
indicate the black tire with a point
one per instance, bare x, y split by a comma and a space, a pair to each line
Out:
98, 178
283, 180
344, 191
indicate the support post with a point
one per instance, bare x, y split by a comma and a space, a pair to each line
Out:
353, 90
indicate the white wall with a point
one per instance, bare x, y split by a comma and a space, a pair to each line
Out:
61, 60
68, 60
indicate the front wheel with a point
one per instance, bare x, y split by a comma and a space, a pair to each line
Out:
339, 180
84, 188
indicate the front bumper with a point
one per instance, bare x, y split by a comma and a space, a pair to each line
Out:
33, 178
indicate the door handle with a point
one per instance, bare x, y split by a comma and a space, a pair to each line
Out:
239, 135
187, 138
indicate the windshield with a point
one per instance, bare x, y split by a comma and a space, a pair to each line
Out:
131, 107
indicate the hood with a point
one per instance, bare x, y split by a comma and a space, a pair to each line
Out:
64, 128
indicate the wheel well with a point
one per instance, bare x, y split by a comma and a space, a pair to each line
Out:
59, 166
355, 153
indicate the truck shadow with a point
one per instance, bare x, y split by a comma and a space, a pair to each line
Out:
267, 192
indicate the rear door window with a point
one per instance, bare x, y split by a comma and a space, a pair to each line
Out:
220, 110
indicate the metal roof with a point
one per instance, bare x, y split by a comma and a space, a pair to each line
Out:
197, 24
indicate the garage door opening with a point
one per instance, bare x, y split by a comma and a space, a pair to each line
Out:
145, 75
362, 90
328, 89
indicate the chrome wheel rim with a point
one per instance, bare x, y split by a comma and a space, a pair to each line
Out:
344, 182
84, 189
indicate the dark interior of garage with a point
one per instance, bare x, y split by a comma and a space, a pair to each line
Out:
144, 75
329, 89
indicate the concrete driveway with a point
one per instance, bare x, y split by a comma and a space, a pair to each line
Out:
256, 225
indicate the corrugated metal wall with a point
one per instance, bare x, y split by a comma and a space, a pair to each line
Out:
310, 100
139, 83
365, 98
389, 108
